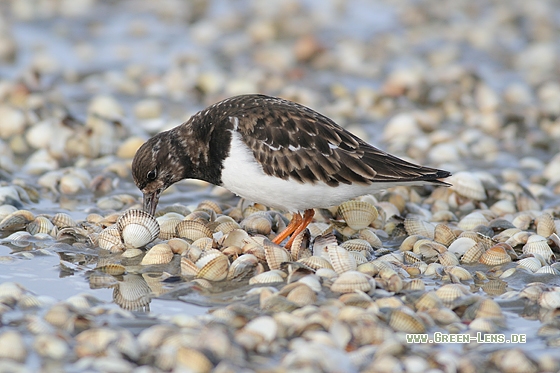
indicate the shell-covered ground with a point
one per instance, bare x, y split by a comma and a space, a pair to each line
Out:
472, 87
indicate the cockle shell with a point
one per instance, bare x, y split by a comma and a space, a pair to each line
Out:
316, 262
168, 225
550, 300
450, 293
472, 220
537, 244
545, 225
473, 254
417, 226
138, 228
268, 277
461, 245
158, 254
63, 220
406, 321
275, 254
340, 259
531, 263
467, 185
448, 258
357, 214
495, 255
351, 281
243, 266
110, 239
444, 235
16, 220
12, 346
257, 223
40, 224
192, 230
213, 267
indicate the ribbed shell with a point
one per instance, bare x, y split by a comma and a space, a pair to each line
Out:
138, 228
351, 281
158, 254
357, 214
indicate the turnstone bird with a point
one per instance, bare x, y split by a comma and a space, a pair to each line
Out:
274, 152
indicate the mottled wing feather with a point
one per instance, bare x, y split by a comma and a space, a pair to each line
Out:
293, 141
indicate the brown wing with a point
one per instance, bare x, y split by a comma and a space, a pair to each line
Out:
292, 141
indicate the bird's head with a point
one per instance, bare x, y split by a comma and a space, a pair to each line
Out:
155, 167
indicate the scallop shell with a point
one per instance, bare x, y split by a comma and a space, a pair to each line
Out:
467, 185
275, 254
340, 259
537, 244
110, 239
63, 220
532, 264
358, 214
351, 281
418, 226
158, 254
495, 255
192, 230
216, 269
138, 228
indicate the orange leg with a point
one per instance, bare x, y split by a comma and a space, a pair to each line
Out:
296, 221
307, 217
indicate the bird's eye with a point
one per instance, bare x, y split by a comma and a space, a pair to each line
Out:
152, 175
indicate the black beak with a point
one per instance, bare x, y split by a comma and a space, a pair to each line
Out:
151, 201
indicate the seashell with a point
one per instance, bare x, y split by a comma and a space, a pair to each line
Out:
242, 267
358, 245
192, 230
188, 268
275, 254
340, 259
420, 227
409, 242
428, 248
405, 321
227, 227
201, 216
527, 203
495, 255
357, 214
316, 263
472, 220
447, 258
444, 235
268, 277
371, 237
545, 225
523, 220
168, 225
257, 223
235, 237
210, 205
178, 245
40, 224
513, 360
468, 185
112, 269
410, 257
351, 281
484, 308
16, 221
110, 239
473, 254
204, 243
356, 299
63, 220
302, 295
461, 245
158, 254
450, 293
12, 347
549, 300
548, 270
216, 269
532, 264
537, 244
461, 273
138, 228
300, 246
414, 285
428, 301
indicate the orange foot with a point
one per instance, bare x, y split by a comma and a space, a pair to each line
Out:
296, 226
